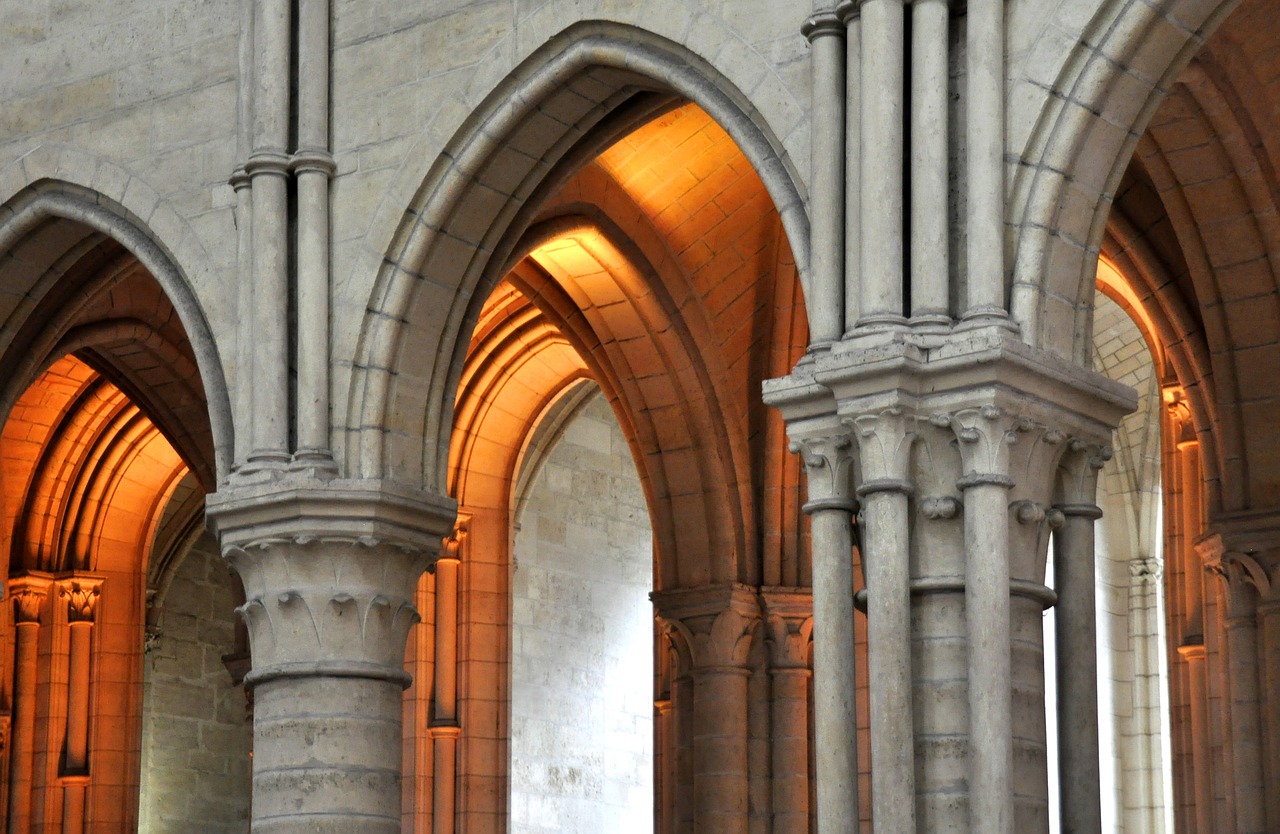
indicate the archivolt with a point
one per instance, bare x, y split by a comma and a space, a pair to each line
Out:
75, 220
484, 190
1117, 75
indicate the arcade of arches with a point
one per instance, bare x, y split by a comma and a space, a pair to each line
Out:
678, 417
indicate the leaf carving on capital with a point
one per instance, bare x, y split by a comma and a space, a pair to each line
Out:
1246, 579
831, 455
789, 639
719, 639
1078, 470
986, 435
884, 443
27, 602
81, 597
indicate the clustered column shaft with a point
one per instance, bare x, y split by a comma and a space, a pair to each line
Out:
826, 38
262, 186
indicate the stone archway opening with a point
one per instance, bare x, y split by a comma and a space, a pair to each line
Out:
106, 451
658, 274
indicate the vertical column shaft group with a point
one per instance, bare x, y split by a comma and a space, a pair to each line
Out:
263, 186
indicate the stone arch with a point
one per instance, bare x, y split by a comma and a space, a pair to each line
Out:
455, 240
76, 202
1124, 61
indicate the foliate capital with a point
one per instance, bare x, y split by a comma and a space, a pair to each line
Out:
81, 595
828, 461
330, 570
710, 627
327, 606
884, 443
788, 620
28, 593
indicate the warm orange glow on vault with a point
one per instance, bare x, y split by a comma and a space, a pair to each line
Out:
86, 474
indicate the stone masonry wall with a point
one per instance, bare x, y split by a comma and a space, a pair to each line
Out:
195, 730
582, 647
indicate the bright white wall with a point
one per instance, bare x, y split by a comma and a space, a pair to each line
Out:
582, 639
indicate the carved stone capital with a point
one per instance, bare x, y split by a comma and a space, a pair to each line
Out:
711, 627
788, 620
1078, 470
1146, 571
884, 440
28, 593
81, 593
330, 569
829, 463
327, 606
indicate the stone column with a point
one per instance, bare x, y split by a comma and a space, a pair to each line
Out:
828, 461
329, 573
847, 11
268, 170
1269, 663
826, 196
1239, 597
313, 167
930, 270
986, 484
28, 592
81, 596
882, 94
1079, 792
984, 154
788, 617
715, 623
444, 720
884, 444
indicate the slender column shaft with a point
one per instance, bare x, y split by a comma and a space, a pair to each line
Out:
1197, 683
852, 166
984, 128
1269, 667
1079, 797
24, 725
270, 310
446, 665
267, 168
887, 568
244, 300
444, 732
664, 752
882, 161
720, 749
445, 749
987, 608
1246, 732
833, 673
685, 721
790, 713
826, 313
313, 167
77, 743
929, 185
1192, 526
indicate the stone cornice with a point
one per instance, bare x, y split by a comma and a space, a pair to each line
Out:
947, 373
329, 509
